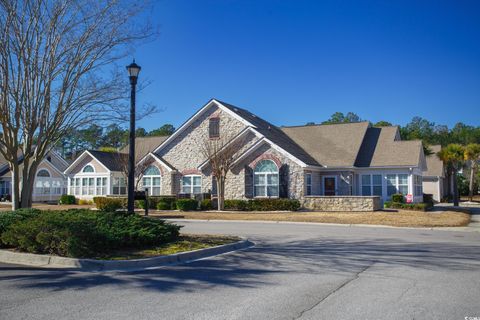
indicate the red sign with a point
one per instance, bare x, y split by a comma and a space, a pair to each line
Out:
409, 198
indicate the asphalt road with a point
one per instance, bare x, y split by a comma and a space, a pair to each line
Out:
295, 271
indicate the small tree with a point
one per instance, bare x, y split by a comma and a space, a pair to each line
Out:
57, 73
453, 157
472, 155
220, 154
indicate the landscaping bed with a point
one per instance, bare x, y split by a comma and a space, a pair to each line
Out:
396, 218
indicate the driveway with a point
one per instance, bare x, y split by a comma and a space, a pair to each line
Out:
295, 271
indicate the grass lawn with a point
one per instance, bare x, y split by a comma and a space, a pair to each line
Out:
186, 242
396, 218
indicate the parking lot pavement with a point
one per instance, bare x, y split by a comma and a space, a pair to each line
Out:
295, 271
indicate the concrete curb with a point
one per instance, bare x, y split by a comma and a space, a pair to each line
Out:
463, 229
48, 261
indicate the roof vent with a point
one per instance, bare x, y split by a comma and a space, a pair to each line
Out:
235, 109
269, 127
254, 115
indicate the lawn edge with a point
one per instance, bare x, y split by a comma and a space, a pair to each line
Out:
50, 261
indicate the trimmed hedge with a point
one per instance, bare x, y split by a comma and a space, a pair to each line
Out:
8, 218
206, 204
263, 205
167, 203
110, 204
67, 199
408, 206
85, 233
187, 204
398, 197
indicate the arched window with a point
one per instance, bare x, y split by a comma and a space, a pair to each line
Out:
43, 173
266, 179
88, 169
152, 180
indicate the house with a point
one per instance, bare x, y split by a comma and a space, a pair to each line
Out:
346, 162
49, 184
434, 180
99, 173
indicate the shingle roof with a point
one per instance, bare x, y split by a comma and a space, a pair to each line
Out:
380, 149
144, 145
331, 145
273, 133
114, 161
434, 164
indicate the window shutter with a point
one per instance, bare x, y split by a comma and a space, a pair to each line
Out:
283, 176
248, 182
214, 128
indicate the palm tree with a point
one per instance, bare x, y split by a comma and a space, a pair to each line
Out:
472, 155
453, 157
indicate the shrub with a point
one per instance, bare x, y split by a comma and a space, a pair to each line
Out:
67, 199
236, 205
167, 203
408, 206
206, 204
187, 204
7, 218
275, 205
85, 233
110, 204
398, 197
84, 201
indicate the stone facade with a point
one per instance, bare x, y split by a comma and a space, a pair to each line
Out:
342, 203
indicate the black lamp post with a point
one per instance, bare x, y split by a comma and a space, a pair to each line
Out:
133, 71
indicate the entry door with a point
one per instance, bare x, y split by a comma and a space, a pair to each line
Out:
329, 183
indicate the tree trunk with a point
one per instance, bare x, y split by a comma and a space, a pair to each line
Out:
27, 189
221, 193
15, 187
472, 177
455, 189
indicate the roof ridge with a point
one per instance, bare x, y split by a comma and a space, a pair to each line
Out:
323, 124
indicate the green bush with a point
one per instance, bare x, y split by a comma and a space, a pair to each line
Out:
67, 199
206, 204
85, 233
166, 203
236, 205
7, 218
187, 204
110, 204
408, 206
398, 197
274, 205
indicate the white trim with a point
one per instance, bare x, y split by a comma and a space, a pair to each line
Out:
209, 104
323, 184
286, 153
88, 165
52, 166
81, 157
156, 158
249, 151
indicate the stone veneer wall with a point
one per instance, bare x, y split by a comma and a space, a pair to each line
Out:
342, 203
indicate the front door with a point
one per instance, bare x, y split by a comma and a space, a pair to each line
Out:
329, 183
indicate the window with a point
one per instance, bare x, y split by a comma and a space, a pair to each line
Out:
119, 186
377, 185
366, 185
397, 183
152, 180
84, 186
266, 179
4, 188
88, 169
91, 186
43, 173
101, 186
214, 128
77, 186
309, 184
192, 184
418, 185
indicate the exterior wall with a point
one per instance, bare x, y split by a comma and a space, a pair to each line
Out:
57, 184
185, 151
434, 186
342, 203
99, 168
344, 186
166, 178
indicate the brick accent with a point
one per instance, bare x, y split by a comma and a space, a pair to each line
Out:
190, 171
266, 156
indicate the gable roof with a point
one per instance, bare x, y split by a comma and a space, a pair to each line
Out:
435, 166
145, 145
381, 149
111, 160
331, 145
274, 134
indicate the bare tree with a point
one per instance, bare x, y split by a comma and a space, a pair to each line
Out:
122, 158
58, 72
220, 154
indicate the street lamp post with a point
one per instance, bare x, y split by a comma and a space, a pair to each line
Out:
133, 71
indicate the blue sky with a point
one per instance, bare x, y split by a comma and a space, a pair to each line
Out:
296, 61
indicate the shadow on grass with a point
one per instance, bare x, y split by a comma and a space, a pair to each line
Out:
258, 266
